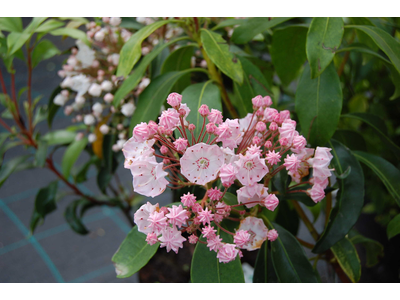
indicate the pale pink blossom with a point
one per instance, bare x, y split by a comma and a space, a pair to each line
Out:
211, 128
206, 216
321, 161
169, 119
299, 142
251, 169
229, 155
248, 122
158, 222
252, 195
287, 131
188, 200
209, 232
241, 238
321, 181
141, 132
172, 239
272, 235
215, 116
214, 194
253, 149
201, 163
151, 238
227, 174
229, 133
148, 177
316, 193
181, 144
174, 99
142, 214
271, 202
257, 230
214, 243
292, 163
269, 114
260, 127
273, 157
258, 101
177, 215
134, 151
227, 253
267, 101
273, 126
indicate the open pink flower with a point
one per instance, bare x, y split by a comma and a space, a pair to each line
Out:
227, 174
251, 169
200, 163
141, 216
133, 151
177, 215
252, 195
227, 253
229, 133
148, 177
257, 230
321, 161
241, 238
172, 239
158, 222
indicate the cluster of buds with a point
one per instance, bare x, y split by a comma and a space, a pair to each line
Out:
244, 152
89, 80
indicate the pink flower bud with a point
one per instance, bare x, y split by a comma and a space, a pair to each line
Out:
163, 150
106, 19
283, 142
210, 127
65, 93
259, 112
204, 111
273, 126
120, 126
108, 98
272, 235
101, 73
166, 161
174, 99
152, 127
271, 202
182, 112
256, 140
260, 127
285, 114
277, 118
192, 127
257, 101
95, 64
193, 239
267, 101
268, 144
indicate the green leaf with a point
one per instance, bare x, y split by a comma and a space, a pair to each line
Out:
73, 218
248, 30
362, 37
36, 219
71, 154
15, 40
384, 41
323, 39
361, 48
156, 64
81, 174
59, 137
153, 97
206, 267
218, 51
347, 257
373, 248
71, 32
387, 173
52, 108
45, 199
318, 105
393, 228
132, 49
13, 24
43, 50
8, 167
378, 125
179, 60
131, 82
104, 175
133, 254
395, 76
196, 95
288, 51
261, 266
351, 139
289, 259
34, 24
49, 25
349, 200
287, 216
41, 154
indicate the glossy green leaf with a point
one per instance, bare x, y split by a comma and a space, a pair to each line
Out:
318, 105
71, 154
349, 199
289, 259
179, 60
12, 24
51, 107
347, 257
374, 249
253, 26
378, 125
287, 216
323, 39
206, 267
198, 94
156, 64
41, 154
218, 51
384, 41
43, 50
15, 40
261, 266
34, 24
387, 173
45, 199
133, 254
361, 48
71, 32
288, 51
59, 137
132, 81
73, 218
229, 23
351, 139
49, 25
362, 37
153, 97
8, 167
132, 49
393, 228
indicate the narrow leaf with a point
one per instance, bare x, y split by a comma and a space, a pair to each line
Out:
71, 32
41, 154
8, 167
71, 154
393, 228
347, 257
45, 199
43, 50
59, 137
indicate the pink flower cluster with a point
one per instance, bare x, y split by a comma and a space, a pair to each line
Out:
244, 152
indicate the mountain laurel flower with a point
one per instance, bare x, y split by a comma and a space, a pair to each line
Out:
141, 216
169, 119
253, 149
214, 194
273, 126
200, 163
251, 195
151, 238
257, 230
97, 108
227, 253
92, 138
95, 90
214, 243
106, 85
241, 238
115, 21
188, 200
269, 114
260, 127
193, 239
128, 109
209, 232
227, 174
104, 129
60, 100
215, 116
267, 101
211, 128
292, 163
204, 111
316, 193
181, 144
158, 222
321, 161
205, 216
273, 157
271, 202
172, 239
258, 101
174, 99
272, 235
89, 120
134, 151
141, 132
251, 169
177, 215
